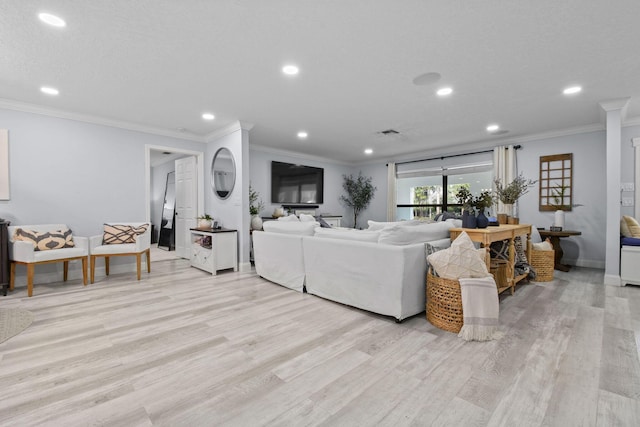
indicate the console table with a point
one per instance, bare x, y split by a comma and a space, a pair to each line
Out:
486, 236
214, 249
555, 236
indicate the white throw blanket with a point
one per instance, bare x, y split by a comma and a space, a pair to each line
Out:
480, 306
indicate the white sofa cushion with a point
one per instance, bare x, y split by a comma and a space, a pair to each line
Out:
290, 227
376, 225
306, 218
401, 234
347, 234
461, 260
289, 218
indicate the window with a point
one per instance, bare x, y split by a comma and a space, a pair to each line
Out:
420, 186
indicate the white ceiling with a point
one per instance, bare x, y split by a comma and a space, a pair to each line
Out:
159, 64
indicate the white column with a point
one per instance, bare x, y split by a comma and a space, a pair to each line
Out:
636, 171
615, 110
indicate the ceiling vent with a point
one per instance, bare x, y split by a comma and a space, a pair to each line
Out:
389, 132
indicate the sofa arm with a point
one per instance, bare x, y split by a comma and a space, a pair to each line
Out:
21, 251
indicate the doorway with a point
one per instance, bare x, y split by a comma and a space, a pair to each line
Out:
161, 160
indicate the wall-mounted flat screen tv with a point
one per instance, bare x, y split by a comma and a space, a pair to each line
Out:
296, 184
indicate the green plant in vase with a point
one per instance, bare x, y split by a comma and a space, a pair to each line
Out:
509, 194
482, 202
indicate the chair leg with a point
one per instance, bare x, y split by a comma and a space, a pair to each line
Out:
84, 271
12, 276
30, 269
139, 263
65, 270
93, 268
148, 260
106, 265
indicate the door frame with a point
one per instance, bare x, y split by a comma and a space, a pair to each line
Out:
199, 172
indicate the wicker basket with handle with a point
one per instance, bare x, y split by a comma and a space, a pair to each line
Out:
444, 303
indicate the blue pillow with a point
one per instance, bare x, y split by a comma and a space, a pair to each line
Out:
630, 241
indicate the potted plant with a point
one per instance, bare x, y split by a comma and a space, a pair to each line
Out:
510, 193
255, 206
482, 202
360, 192
465, 198
205, 221
561, 203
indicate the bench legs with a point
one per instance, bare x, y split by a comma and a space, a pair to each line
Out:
106, 263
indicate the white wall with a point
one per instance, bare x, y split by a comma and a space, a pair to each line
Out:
627, 165
80, 174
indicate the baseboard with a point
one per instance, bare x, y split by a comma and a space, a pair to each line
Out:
612, 279
589, 263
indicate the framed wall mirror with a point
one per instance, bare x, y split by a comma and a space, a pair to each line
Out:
223, 173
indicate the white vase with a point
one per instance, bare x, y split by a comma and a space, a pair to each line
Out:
507, 209
558, 219
204, 223
256, 222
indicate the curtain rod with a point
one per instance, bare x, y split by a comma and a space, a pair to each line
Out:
515, 147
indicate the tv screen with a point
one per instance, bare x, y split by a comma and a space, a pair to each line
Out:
296, 184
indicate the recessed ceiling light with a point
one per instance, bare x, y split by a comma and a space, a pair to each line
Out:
290, 70
444, 91
572, 89
368, 151
208, 116
53, 20
302, 134
49, 90
493, 128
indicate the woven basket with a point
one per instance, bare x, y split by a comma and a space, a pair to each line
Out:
542, 262
498, 268
444, 303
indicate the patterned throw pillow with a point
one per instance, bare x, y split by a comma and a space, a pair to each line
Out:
45, 240
117, 234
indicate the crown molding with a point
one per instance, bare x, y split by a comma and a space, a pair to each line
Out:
297, 155
69, 115
227, 130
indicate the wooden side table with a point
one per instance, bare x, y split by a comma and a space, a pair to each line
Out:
488, 235
555, 237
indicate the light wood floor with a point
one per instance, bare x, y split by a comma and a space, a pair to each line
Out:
183, 348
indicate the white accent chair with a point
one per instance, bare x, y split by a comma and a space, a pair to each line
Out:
24, 253
141, 246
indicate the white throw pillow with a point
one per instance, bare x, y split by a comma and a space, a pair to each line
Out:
401, 234
375, 225
289, 218
347, 234
542, 246
306, 218
290, 227
461, 260
535, 235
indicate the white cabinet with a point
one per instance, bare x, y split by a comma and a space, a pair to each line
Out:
333, 221
213, 250
630, 265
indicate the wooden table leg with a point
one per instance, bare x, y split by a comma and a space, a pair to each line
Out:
557, 262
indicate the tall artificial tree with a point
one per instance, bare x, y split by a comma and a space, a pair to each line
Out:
359, 191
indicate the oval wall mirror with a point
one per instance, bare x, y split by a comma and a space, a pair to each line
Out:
223, 173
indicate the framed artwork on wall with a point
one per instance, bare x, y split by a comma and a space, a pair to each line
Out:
4, 164
556, 182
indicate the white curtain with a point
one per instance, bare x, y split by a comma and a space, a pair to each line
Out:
391, 192
505, 168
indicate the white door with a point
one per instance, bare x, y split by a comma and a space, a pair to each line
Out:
186, 203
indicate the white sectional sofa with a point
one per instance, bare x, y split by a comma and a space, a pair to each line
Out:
381, 269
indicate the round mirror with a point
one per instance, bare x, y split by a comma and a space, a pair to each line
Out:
223, 173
